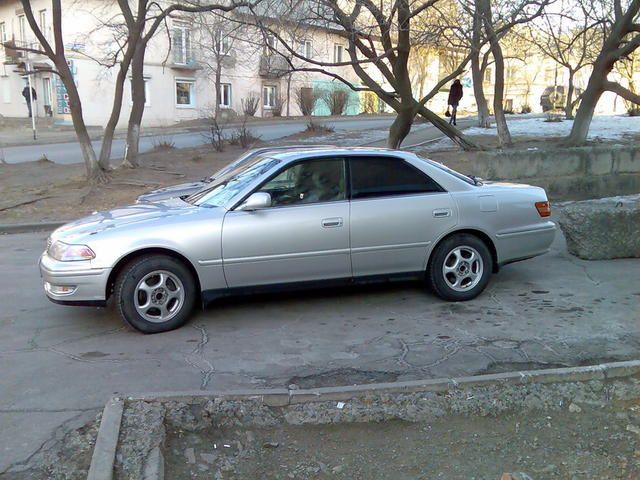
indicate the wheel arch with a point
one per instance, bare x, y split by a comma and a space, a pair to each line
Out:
486, 239
124, 261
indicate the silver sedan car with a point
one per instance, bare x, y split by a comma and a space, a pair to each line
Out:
295, 219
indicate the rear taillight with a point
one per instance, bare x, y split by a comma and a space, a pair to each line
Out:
544, 209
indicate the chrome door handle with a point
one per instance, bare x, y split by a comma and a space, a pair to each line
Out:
442, 212
332, 222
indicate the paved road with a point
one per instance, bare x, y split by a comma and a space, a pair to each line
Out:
67, 153
58, 365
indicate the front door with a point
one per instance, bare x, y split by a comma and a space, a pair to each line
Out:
302, 237
397, 212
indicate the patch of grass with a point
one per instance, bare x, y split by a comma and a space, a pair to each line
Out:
318, 128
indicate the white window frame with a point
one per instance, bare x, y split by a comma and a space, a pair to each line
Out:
226, 86
223, 43
147, 92
22, 28
306, 48
184, 50
338, 53
3, 32
272, 96
270, 44
192, 92
42, 20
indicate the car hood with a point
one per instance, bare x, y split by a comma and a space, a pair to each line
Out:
172, 191
134, 214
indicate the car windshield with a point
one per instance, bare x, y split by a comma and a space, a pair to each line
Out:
222, 189
467, 178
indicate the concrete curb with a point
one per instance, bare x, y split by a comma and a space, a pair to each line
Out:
284, 397
104, 452
30, 227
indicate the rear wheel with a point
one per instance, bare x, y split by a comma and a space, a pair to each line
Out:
155, 293
460, 267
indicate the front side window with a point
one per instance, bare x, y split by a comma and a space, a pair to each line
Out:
311, 181
225, 95
269, 96
223, 188
223, 43
3, 32
185, 95
387, 176
42, 21
181, 45
306, 48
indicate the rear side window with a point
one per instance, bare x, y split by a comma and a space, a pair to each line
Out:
386, 176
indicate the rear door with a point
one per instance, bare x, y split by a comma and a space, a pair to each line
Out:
303, 236
397, 212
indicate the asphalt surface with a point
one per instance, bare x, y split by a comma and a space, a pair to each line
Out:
69, 152
58, 365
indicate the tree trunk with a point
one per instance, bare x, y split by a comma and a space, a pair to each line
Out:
568, 107
289, 94
590, 97
137, 108
400, 127
504, 137
116, 109
95, 174
218, 87
477, 74
449, 130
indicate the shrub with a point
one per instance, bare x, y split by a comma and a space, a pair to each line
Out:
525, 109
243, 136
306, 99
336, 101
250, 104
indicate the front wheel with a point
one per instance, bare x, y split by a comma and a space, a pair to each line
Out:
460, 267
155, 293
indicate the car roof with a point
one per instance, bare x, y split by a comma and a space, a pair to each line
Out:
297, 153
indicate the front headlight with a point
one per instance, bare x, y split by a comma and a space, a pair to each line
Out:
70, 253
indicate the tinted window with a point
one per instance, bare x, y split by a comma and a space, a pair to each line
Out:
384, 176
311, 181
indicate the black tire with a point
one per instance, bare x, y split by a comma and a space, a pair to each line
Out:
130, 277
441, 284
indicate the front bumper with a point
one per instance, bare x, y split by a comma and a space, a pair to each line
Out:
85, 285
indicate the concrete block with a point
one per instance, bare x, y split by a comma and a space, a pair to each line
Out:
599, 163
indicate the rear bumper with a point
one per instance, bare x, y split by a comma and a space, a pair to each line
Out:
525, 243
87, 286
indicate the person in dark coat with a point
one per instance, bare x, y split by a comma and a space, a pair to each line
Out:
455, 94
25, 94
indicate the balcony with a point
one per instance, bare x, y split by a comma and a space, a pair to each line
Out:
273, 66
11, 55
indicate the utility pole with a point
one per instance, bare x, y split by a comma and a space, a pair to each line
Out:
33, 109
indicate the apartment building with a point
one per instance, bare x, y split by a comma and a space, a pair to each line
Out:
179, 67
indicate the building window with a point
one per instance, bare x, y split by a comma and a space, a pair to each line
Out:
269, 96
223, 43
42, 21
306, 48
185, 93
22, 28
337, 53
487, 75
147, 93
3, 32
181, 45
225, 95
270, 44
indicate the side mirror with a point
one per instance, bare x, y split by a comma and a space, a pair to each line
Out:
256, 201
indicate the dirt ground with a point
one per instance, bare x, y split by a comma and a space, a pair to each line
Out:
43, 190
582, 443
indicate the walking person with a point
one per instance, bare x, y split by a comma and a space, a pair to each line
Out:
455, 94
25, 94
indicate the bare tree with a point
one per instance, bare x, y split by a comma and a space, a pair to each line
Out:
142, 24
378, 41
570, 38
56, 54
620, 39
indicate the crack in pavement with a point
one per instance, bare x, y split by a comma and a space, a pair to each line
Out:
57, 434
198, 351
